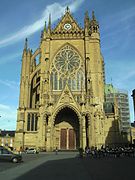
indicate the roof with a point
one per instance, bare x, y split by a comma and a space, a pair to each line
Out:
7, 133
67, 20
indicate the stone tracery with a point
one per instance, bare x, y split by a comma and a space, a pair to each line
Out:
67, 69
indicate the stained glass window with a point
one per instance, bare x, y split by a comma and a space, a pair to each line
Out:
55, 81
67, 69
67, 60
28, 123
60, 84
32, 122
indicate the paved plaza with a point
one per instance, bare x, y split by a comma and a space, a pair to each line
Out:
66, 166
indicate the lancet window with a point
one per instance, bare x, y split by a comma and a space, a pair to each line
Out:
35, 90
32, 121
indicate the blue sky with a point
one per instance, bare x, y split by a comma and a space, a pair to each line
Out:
21, 19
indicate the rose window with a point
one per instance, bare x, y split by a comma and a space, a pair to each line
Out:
67, 60
67, 69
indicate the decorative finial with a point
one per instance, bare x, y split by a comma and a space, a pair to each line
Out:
86, 20
45, 27
93, 15
49, 22
67, 10
26, 44
86, 15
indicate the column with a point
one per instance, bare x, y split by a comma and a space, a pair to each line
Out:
67, 138
48, 135
44, 134
83, 132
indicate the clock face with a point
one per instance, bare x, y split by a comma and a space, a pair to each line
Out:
67, 61
67, 26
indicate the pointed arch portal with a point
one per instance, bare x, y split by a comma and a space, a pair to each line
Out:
67, 129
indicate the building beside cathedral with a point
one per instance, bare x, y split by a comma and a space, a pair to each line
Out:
112, 93
133, 95
61, 101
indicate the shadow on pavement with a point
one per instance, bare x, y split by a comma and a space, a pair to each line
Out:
84, 169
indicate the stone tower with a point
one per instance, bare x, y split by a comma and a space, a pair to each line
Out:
61, 100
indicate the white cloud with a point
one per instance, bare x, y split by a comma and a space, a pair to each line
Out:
121, 17
55, 9
122, 70
6, 58
4, 107
127, 14
130, 74
121, 25
75, 5
10, 84
8, 117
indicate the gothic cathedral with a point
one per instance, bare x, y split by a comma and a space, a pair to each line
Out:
61, 101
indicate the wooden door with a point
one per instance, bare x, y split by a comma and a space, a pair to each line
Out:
71, 139
63, 139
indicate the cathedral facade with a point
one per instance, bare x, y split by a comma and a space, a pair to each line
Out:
61, 101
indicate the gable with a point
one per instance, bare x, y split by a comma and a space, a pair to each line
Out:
67, 24
66, 97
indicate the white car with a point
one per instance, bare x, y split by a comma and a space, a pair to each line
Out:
31, 151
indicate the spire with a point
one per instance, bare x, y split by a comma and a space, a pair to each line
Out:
87, 19
93, 16
94, 24
45, 27
87, 23
29, 52
44, 32
49, 22
49, 25
26, 44
86, 15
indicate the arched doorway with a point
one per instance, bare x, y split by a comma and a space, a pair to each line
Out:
66, 130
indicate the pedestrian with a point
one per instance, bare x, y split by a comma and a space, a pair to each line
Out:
56, 151
81, 152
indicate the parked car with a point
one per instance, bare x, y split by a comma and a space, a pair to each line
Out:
31, 151
8, 155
